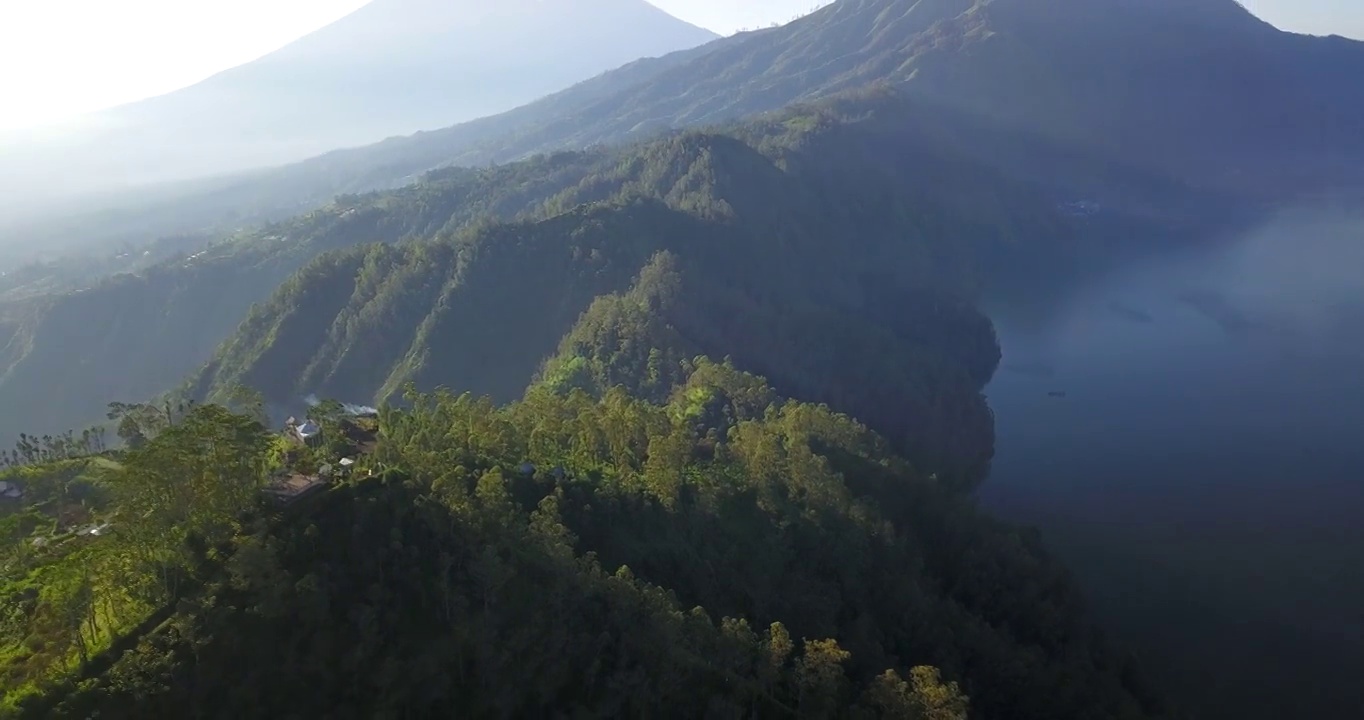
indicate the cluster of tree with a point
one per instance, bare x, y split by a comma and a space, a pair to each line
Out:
136, 423
723, 552
910, 364
168, 507
133, 423
389, 603
29, 450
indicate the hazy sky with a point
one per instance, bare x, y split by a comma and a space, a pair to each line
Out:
59, 58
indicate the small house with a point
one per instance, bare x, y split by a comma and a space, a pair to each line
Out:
308, 433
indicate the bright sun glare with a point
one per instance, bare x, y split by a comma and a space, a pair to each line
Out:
60, 58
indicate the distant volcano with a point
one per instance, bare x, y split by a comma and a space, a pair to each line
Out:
392, 67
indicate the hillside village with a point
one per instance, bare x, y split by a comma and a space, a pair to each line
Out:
319, 451
53, 498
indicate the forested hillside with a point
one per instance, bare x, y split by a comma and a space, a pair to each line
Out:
688, 426
684, 427
135, 335
720, 552
647, 527
839, 258
851, 176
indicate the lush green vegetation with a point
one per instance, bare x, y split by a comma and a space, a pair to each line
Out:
98, 546
823, 248
628, 524
720, 551
98, 541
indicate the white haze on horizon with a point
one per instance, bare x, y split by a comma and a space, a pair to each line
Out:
54, 72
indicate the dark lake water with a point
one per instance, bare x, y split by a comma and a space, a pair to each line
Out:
1203, 474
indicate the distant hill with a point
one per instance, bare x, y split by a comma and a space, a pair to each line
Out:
801, 173
1196, 90
391, 68
783, 235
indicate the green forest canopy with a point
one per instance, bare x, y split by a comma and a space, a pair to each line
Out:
721, 552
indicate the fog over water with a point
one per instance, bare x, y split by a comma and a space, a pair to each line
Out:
1204, 472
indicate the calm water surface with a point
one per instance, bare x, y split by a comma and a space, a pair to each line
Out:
1204, 472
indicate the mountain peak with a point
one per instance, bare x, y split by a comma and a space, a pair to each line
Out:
1209, 14
393, 67
408, 20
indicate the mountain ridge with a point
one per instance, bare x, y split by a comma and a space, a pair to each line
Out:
1134, 192
206, 294
908, 42
363, 323
1279, 116
390, 68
